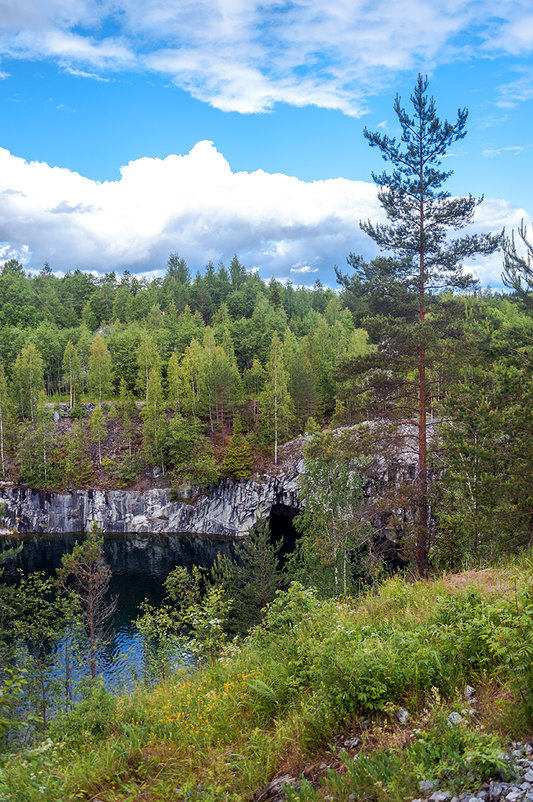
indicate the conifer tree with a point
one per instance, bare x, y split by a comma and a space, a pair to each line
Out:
251, 579
518, 266
238, 461
421, 215
85, 574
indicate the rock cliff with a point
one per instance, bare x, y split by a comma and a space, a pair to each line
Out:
229, 509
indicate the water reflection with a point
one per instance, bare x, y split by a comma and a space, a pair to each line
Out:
139, 565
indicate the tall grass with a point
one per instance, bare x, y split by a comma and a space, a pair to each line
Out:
313, 667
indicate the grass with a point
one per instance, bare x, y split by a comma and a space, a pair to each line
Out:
315, 670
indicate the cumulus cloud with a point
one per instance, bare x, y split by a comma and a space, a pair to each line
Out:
196, 205
247, 56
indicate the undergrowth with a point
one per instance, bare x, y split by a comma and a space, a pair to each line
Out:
313, 668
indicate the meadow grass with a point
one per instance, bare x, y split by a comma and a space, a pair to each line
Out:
313, 669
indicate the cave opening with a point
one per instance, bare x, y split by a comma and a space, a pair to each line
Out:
282, 530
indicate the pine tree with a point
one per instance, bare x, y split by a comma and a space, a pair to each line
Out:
518, 267
421, 214
251, 579
238, 461
85, 574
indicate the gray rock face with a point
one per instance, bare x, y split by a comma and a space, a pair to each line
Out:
229, 509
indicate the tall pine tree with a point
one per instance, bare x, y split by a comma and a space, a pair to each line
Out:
421, 215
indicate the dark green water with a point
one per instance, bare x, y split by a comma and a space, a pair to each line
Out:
139, 565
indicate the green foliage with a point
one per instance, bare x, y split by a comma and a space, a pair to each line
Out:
512, 644
397, 295
98, 428
332, 524
28, 380
76, 468
191, 617
100, 377
460, 756
187, 453
250, 579
12, 686
276, 412
154, 422
91, 719
72, 372
238, 461
312, 667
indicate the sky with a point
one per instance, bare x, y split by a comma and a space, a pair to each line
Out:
134, 129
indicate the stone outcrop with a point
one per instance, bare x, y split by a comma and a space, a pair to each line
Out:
229, 509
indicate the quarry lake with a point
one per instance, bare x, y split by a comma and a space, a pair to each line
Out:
139, 563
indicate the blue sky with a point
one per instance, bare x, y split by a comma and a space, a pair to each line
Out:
134, 129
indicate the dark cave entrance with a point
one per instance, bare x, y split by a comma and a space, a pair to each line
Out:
282, 529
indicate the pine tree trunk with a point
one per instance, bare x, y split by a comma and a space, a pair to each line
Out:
423, 507
422, 543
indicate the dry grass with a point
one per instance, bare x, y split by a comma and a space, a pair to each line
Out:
493, 582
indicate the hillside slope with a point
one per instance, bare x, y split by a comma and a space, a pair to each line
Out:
384, 675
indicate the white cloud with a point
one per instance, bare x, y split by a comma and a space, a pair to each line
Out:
247, 55
517, 91
491, 153
196, 205
304, 269
84, 74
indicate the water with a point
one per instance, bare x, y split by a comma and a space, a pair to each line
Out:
139, 565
